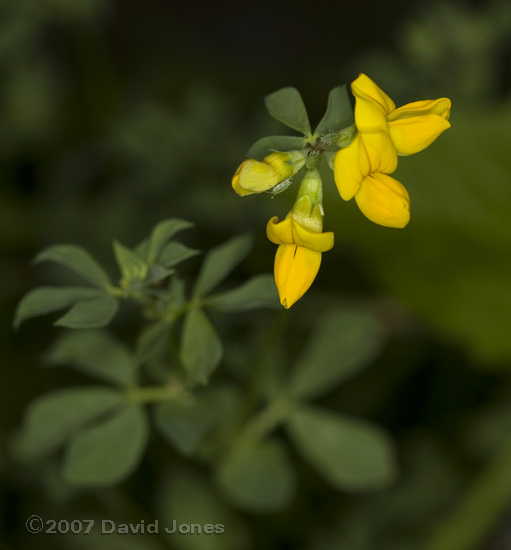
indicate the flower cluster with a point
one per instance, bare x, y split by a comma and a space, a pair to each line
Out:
384, 132
364, 155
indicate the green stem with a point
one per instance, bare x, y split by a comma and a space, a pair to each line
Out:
486, 500
270, 418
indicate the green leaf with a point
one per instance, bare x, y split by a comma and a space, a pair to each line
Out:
158, 273
151, 341
259, 291
109, 451
51, 418
161, 234
259, 480
92, 313
184, 425
175, 253
77, 259
266, 145
350, 454
339, 112
343, 344
132, 266
96, 353
220, 261
47, 299
286, 105
142, 247
186, 498
201, 349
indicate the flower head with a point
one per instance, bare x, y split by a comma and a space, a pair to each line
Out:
253, 176
301, 242
384, 132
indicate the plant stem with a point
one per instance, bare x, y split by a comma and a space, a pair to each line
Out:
265, 422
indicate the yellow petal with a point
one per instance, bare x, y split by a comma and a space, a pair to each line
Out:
380, 151
295, 270
384, 201
440, 107
369, 116
258, 176
411, 135
283, 265
372, 105
351, 166
280, 232
318, 242
236, 182
279, 162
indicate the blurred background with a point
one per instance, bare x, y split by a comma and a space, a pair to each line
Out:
116, 114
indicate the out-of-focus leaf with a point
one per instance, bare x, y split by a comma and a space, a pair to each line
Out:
96, 353
77, 259
339, 112
201, 349
141, 248
259, 291
131, 265
158, 273
51, 418
286, 105
351, 454
47, 299
109, 451
161, 234
92, 313
261, 479
266, 145
343, 344
223, 401
175, 253
184, 424
151, 341
186, 499
220, 261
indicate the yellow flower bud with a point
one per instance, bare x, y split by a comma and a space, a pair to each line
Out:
296, 268
253, 176
298, 256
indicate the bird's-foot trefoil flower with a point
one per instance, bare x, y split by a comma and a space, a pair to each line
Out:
254, 176
361, 145
384, 132
301, 241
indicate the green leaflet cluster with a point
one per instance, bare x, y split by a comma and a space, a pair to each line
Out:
232, 424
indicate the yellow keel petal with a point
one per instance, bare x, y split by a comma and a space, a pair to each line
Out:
384, 201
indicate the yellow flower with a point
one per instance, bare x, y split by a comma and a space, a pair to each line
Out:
253, 176
384, 200
412, 127
299, 253
384, 132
